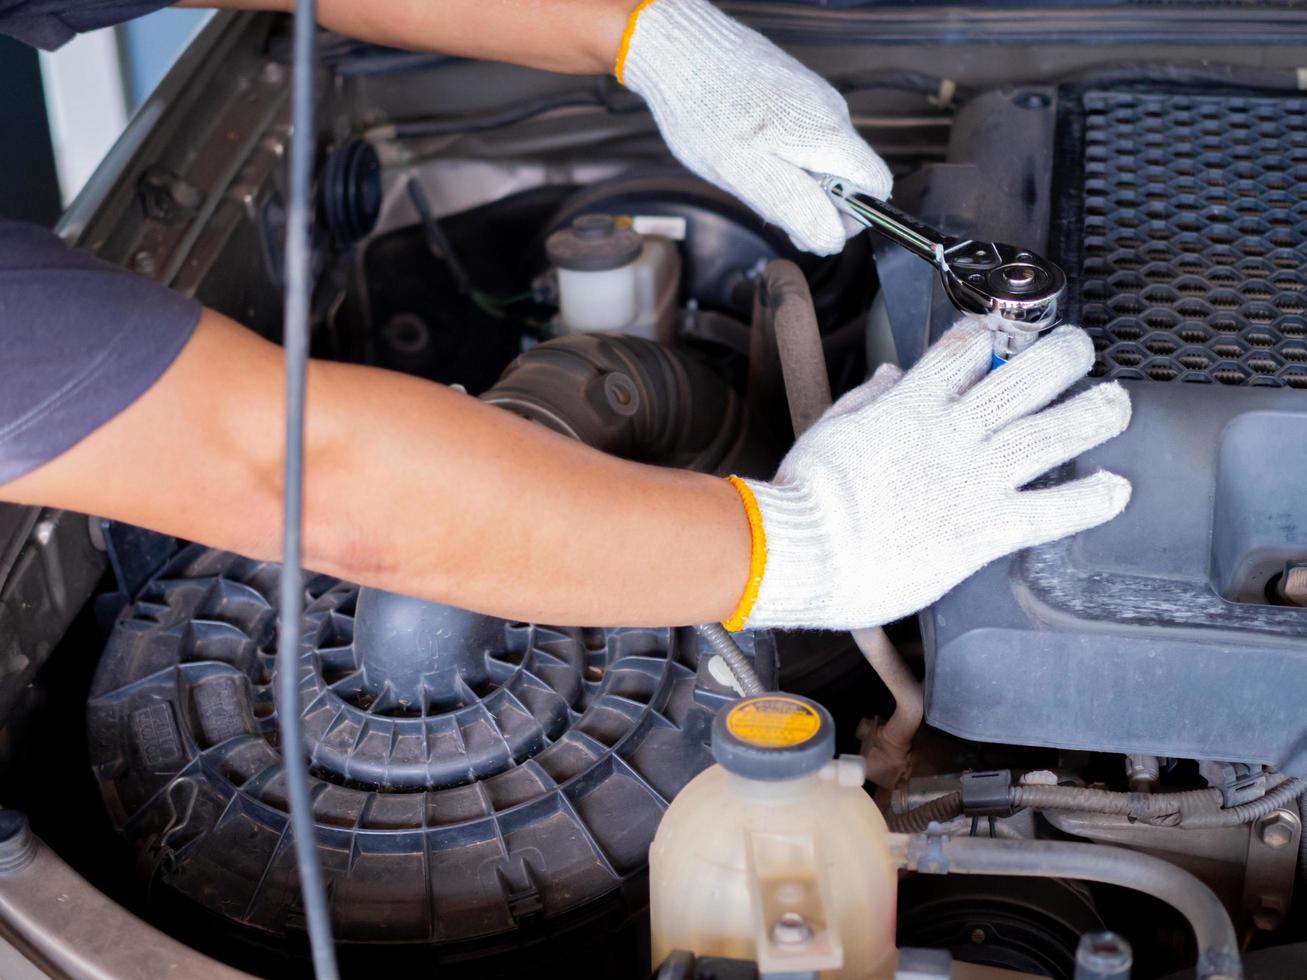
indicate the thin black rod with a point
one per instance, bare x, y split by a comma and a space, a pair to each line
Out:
296, 333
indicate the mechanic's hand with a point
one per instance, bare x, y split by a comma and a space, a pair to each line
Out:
909, 484
742, 113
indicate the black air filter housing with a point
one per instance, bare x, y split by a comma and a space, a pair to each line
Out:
473, 779
1181, 220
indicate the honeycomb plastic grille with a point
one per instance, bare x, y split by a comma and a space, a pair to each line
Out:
1194, 237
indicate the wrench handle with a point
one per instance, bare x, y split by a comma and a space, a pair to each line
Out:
899, 226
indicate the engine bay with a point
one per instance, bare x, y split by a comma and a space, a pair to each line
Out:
485, 792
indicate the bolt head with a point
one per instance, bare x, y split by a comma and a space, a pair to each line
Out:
791, 930
1269, 915
1104, 954
1277, 830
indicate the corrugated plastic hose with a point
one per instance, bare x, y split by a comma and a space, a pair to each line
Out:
1194, 809
724, 645
941, 809
1283, 795
1141, 806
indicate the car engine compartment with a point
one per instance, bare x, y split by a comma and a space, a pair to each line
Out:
485, 792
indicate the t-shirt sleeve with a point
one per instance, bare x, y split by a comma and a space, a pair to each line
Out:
80, 340
51, 23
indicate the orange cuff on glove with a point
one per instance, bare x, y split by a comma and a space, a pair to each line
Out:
619, 63
757, 556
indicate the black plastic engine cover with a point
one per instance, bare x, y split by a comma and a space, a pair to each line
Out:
1181, 227
1151, 633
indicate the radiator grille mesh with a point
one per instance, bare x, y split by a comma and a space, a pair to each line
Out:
1193, 244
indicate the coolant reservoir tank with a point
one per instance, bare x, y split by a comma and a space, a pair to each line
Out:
776, 854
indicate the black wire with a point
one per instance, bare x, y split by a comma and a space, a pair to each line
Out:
600, 94
296, 333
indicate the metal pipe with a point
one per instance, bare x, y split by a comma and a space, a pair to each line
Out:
69, 929
1218, 945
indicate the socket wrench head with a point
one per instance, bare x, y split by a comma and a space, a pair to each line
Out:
1014, 284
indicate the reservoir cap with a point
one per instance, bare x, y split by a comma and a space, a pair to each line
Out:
594, 243
773, 736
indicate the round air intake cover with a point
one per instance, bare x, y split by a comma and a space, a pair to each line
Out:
470, 774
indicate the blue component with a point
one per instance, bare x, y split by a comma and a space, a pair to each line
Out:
995, 361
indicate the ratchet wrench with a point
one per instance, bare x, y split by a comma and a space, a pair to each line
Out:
1021, 288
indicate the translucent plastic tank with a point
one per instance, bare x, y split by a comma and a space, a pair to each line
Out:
610, 278
776, 854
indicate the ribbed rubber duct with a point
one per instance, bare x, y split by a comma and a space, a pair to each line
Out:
630, 397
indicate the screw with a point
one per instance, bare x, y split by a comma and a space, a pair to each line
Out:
623, 397
1031, 100
1103, 955
1019, 275
978, 936
1268, 916
144, 262
17, 846
1276, 830
791, 930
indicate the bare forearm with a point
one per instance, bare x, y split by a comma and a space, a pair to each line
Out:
410, 487
467, 504
574, 36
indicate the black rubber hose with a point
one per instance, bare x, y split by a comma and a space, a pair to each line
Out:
1218, 945
601, 95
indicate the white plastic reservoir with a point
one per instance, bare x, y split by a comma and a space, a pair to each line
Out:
776, 854
611, 278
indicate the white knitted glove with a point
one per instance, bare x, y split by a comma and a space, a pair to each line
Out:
740, 112
909, 484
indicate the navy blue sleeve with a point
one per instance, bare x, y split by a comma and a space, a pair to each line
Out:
80, 340
51, 23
